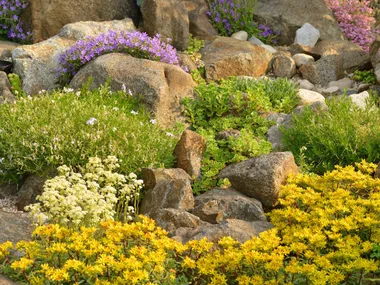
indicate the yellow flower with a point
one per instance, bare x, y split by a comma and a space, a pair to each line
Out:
22, 264
188, 263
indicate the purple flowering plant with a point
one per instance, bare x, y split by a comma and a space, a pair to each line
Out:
135, 43
10, 24
230, 16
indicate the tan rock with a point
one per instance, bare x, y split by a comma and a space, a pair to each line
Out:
169, 18
175, 194
161, 86
200, 25
48, 17
283, 66
225, 57
189, 152
261, 177
151, 176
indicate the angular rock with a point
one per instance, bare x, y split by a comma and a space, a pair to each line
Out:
32, 187
161, 86
237, 229
151, 176
274, 135
240, 35
217, 205
283, 66
15, 227
307, 35
328, 68
48, 17
172, 219
189, 153
301, 59
363, 87
170, 25
360, 99
308, 97
353, 57
261, 177
225, 57
36, 64
342, 84
176, 194
305, 84
200, 25
6, 49
280, 14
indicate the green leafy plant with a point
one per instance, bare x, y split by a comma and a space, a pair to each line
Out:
16, 87
366, 76
193, 51
68, 127
341, 135
240, 105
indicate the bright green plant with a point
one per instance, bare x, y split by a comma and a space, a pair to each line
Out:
235, 104
366, 76
96, 193
193, 51
324, 231
341, 135
16, 86
68, 127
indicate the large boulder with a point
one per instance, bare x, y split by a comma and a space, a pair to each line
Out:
169, 18
261, 177
328, 68
48, 17
172, 219
189, 152
288, 16
37, 64
237, 229
217, 205
151, 176
200, 25
224, 57
353, 57
175, 194
15, 227
161, 86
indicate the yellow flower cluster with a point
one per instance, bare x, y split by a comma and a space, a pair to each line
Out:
324, 233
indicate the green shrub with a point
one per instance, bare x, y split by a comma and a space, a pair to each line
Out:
16, 86
237, 104
366, 76
341, 135
96, 193
68, 127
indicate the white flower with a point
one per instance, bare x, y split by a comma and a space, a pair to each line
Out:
130, 92
133, 112
114, 129
124, 88
53, 101
170, 134
1, 159
67, 90
153, 121
77, 93
115, 108
41, 91
91, 121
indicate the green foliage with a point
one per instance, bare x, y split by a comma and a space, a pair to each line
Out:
236, 104
341, 135
16, 87
375, 251
68, 127
366, 76
86, 197
195, 45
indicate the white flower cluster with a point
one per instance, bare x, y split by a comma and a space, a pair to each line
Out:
95, 194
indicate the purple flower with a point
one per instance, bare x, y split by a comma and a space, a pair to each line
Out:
135, 43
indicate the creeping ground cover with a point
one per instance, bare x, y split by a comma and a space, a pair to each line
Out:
326, 231
135, 43
68, 127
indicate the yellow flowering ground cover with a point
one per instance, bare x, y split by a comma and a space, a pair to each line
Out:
326, 231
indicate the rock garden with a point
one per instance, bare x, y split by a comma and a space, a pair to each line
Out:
189, 142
